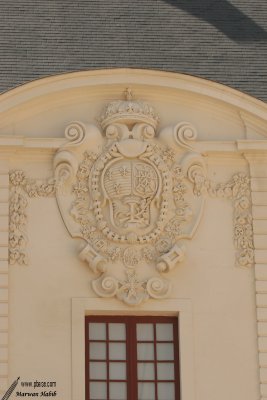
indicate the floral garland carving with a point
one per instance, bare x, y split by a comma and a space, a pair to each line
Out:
238, 190
21, 189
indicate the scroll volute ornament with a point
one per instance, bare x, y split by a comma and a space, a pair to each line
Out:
128, 193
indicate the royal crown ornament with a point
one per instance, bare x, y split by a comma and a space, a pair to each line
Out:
129, 112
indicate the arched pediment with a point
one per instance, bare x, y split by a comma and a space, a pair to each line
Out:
44, 107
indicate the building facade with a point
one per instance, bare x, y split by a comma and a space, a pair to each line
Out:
133, 201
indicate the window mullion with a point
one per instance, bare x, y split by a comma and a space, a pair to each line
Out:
176, 358
87, 357
131, 359
107, 358
128, 357
135, 391
155, 361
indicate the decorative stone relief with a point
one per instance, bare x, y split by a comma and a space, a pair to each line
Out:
238, 190
17, 210
21, 188
126, 191
133, 195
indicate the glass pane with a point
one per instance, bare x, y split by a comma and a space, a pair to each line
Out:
117, 332
165, 351
97, 331
144, 332
166, 391
98, 390
145, 351
165, 371
164, 332
98, 370
117, 351
117, 370
97, 351
146, 391
117, 391
145, 372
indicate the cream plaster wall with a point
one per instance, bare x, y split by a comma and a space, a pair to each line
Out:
224, 331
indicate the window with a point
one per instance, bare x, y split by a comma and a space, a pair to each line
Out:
132, 358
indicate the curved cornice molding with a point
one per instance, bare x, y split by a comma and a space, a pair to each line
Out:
106, 79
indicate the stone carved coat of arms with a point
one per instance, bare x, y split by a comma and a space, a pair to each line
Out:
126, 190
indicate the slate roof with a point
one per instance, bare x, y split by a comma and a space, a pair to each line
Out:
221, 40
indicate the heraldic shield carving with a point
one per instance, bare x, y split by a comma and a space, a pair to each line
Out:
128, 193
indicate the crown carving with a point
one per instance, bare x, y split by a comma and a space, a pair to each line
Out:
129, 112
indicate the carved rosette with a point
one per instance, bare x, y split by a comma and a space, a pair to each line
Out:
125, 191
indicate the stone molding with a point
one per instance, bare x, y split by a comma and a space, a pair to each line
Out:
104, 79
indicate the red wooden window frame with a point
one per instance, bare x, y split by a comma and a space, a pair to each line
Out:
131, 351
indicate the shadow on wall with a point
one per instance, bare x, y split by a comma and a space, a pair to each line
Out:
225, 17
